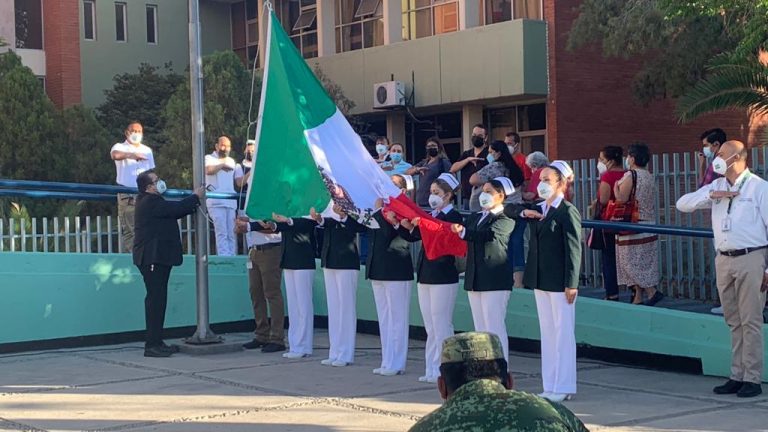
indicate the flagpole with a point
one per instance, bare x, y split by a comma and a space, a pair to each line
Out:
203, 334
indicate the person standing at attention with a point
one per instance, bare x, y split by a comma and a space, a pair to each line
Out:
221, 174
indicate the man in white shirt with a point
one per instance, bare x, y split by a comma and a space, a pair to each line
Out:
221, 175
131, 159
739, 203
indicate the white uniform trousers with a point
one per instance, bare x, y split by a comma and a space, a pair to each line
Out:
557, 322
301, 316
436, 303
341, 294
393, 300
224, 230
489, 313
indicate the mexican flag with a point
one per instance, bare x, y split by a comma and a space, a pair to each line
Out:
307, 155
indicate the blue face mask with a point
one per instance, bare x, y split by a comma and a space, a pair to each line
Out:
396, 157
490, 158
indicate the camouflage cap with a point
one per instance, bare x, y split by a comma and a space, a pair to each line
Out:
471, 346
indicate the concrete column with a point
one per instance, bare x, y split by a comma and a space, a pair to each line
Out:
393, 21
396, 128
263, 23
470, 116
469, 14
326, 28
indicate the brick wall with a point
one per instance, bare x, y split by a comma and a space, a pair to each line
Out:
61, 20
590, 103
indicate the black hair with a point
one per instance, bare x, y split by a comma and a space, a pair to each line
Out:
715, 135
515, 137
640, 153
514, 172
481, 126
144, 180
614, 154
445, 187
456, 374
133, 122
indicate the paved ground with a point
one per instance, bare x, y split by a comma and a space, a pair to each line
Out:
117, 389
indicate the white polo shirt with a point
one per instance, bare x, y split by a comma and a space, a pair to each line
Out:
129, 169
223, 181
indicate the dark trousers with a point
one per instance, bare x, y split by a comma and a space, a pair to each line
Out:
610, 280
516, 247
156, 281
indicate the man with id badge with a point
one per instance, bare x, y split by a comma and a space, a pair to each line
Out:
739, 203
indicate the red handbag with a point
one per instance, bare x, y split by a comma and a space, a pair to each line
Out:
627, 211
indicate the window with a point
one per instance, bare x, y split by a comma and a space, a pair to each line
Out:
245, 32
151, 24
528, 9
359, 24
121, 22
89, 20
495, 11
530, 121
28, 17
422, 18
298, 17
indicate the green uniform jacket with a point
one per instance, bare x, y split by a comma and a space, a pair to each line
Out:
554, 250
389, 255
299, 244
340, 244
442, 270
485, 405
487, 266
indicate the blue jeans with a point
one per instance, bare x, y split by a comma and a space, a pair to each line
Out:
516, 247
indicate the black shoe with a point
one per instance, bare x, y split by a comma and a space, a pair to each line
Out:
730, 387
157, 351
273, 347
655, 299
172, 348
254, 344
749, 390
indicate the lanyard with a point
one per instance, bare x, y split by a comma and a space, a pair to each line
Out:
741, 184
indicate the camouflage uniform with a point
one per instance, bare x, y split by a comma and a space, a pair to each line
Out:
486, 405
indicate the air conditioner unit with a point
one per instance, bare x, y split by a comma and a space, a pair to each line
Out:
388, 94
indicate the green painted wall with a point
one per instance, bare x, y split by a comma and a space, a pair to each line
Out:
49, 296
513, 64
104, 57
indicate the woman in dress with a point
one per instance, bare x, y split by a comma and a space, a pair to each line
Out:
637, 253
611, 169
435, 163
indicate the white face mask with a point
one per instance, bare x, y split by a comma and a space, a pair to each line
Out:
601, 168
381, 149
435, 201
545, 190
486, 200
161, 187
511, 149
720, 165
135, 138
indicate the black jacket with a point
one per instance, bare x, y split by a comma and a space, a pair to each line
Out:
389, 254
487, 266
442, 270
340, 244
299, 244
156, 232
554, 251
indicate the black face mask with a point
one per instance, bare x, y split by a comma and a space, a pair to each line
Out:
478, 141
248, 157
223, 154
432, 152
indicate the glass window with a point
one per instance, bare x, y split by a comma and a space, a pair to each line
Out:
299, 20
251, 9
89, 20
528, 9
530, 121
28, 17
359, 24
121, 24
245, 32
151, 24
422, 18
497, 11
531, 117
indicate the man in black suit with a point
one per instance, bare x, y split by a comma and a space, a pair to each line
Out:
156, 249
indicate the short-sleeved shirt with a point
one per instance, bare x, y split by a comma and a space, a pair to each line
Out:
486, 405
519, 159
223, 181
129, 169
434, 169
469, 169
399, 168
488, 173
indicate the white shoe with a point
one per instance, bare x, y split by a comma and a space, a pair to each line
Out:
339, 363
558, 397
717, 310
432, 380
294, 355
377, 371
544, 395
326, 362
424, 379
390, 372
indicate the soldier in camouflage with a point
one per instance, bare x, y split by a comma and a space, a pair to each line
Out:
478, 394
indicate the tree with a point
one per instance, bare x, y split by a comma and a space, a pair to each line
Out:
345, 104
226, 91
138, 96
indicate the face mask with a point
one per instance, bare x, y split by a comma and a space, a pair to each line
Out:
478, 141
435, 201
708, 151
601, 168
248, 157
486, 200
432, 152
511, 149
381, 149
135, 138
396, 157
626, 163
161, 187
490, 158
720, 165
545, 190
